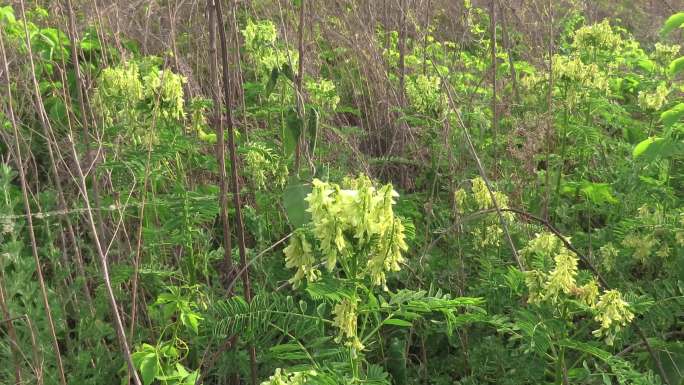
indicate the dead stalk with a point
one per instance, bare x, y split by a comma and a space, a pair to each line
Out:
234, 173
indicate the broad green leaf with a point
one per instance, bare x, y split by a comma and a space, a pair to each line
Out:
168, 351
676, 66
272, 81
207, 137
672, 115
191, 320
149, 368
7, 14
597, 193
294, 203
90, 42
646, 64
673, 22
287, 71
655, 147
397, 322
191, 378
292, 132
644, 145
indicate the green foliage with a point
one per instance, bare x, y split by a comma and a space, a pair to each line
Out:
417, 270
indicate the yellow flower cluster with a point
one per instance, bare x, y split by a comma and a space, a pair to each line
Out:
536, 282
597, 36
653, 100
119, 89
608, 253
572, 70
613, 314
299, 255
358, 220
664, 53
260, 43
460, 197
122, 90
263, 33
642, 246
425, 93
490, 234
484, 199
322, 93
542, 244
481, 194
588, 293
366, 214
345, 319
264, 167
609, 308
168, 88
282, 377
562, 278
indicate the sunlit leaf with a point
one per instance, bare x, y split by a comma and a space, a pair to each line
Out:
673, 22
644, 145
292, 131
676, 66
672, 115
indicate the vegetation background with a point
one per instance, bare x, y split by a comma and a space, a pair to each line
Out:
292, 192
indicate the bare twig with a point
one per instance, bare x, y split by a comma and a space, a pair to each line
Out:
492, 43
505, 39
220, 150
89, 159
299, 94
234, 174
483, 173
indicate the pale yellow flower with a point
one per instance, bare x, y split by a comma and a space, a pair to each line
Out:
613, 313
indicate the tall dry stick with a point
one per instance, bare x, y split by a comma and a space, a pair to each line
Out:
483, 173
549, 119
402, 52
239, 71
299, 94
492, 43
505, 39
234, 173
27, 204
61, 200
118, 324
220, 150
73, 37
